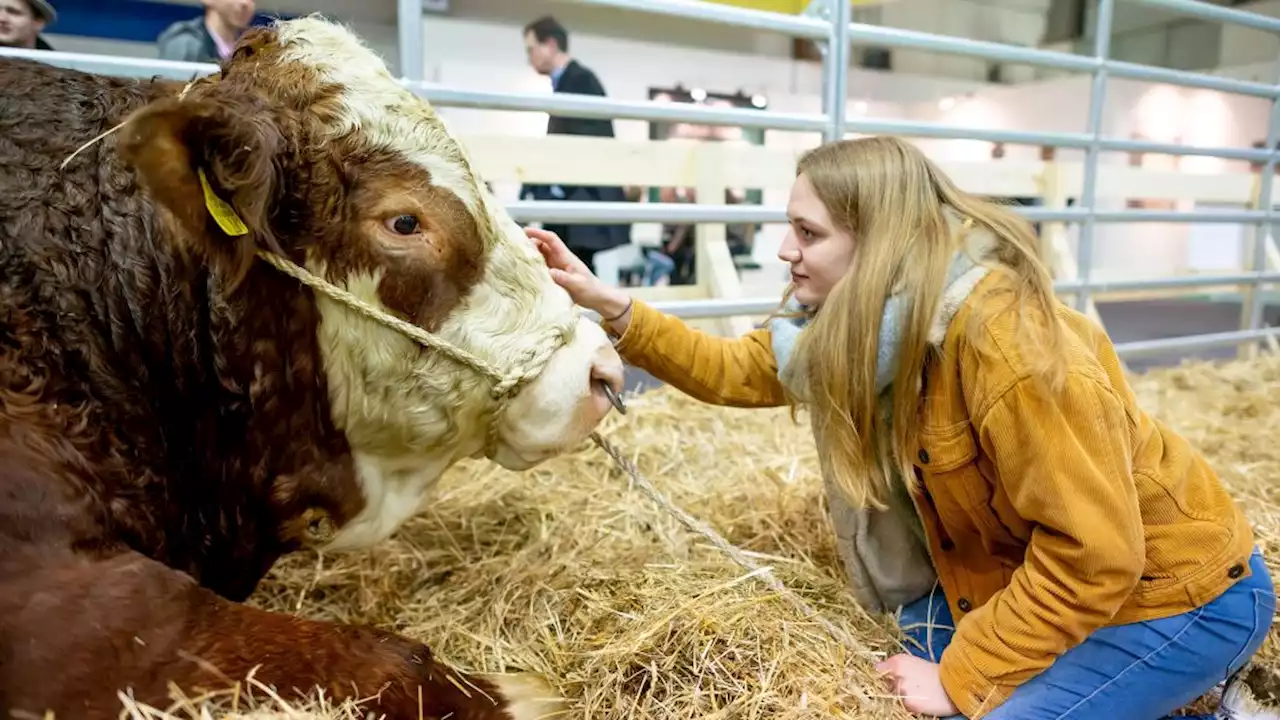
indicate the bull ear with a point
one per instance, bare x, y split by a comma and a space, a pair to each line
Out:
211, 162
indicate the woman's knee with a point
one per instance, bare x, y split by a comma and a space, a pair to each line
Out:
1152, 668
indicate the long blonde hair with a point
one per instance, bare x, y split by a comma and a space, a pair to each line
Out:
894, 203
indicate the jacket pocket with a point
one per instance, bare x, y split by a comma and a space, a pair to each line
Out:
950, 462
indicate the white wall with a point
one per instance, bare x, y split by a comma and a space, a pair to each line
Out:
1246, 46
1014, 22
1159, 113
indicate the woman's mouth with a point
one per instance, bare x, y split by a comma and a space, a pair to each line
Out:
797, 277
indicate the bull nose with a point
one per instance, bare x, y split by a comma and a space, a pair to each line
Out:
607, 374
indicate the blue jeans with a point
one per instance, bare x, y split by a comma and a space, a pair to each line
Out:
657, 266
1139, 671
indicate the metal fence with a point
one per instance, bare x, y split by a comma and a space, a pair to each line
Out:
828, 23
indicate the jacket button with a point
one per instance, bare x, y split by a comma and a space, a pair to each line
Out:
965, 605
1236, 571
924, 456
947, 545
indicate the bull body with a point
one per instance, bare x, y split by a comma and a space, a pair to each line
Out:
175, 415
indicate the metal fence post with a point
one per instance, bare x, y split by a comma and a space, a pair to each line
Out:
409, 24
837, 73
1266, 226
1089, 183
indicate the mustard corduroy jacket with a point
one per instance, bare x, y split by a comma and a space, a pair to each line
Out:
1046, 517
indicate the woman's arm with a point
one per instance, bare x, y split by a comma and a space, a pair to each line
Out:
736, 372
1064, 461
720, 371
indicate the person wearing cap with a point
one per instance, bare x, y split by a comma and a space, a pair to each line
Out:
21, 22
211, 37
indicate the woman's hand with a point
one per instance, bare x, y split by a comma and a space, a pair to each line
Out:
919, 684
576, 278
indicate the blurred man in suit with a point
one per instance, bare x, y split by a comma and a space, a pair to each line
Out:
547, 45
211, 37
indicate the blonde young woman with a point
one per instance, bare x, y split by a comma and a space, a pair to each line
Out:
1053, 551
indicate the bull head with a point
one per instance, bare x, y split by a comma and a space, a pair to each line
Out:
324, 159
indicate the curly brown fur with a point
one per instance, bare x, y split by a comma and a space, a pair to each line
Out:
165, 429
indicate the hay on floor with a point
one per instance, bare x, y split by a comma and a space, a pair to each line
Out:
567, 572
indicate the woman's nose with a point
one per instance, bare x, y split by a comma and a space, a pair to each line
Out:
788, 252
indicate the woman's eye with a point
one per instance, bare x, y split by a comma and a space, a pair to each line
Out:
404, 225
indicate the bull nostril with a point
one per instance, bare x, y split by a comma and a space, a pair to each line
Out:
607, 375
614, 398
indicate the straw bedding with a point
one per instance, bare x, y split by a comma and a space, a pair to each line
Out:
567, 572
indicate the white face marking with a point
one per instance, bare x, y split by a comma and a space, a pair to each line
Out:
394, 490
384, 113
408, 414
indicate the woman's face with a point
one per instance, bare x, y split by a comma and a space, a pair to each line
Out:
817, 252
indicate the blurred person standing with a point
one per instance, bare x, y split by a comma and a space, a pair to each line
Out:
21, 22
546, 44
211, 37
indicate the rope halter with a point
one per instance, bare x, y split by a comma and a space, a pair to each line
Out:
506, 383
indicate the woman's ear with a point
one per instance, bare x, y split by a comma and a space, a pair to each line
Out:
211, 162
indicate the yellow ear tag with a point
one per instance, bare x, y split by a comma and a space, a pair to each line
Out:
222, 212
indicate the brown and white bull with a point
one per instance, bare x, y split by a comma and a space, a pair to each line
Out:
176, 413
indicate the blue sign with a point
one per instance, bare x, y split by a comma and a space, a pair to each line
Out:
133, 20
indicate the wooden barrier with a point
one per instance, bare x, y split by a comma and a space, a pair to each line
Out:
711, 168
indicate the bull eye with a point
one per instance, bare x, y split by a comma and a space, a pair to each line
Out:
405, 225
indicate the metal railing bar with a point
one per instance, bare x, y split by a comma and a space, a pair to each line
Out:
140, 68
917, 40
1139, 348
942, 131
579, 212
591, 106
793, 25
763, 305
569, 105
1173, 216
594, 107
1157, 148
1167, 283
1217, 13
1134, 71
914, 39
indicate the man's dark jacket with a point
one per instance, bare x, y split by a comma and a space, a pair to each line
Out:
188, 41
579, 80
